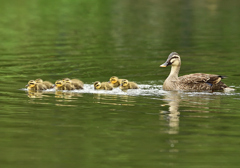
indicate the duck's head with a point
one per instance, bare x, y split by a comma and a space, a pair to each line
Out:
59, 83
124, 82
97, 85
31, 83
113, 79
173, 59
38, 80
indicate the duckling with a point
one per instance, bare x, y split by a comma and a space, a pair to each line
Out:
115, 81
78, 84
102, 86
32, 85
68, 85
125, 84
48, 84
59, 85
191, 82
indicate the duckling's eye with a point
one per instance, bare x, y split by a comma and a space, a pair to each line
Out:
31, 83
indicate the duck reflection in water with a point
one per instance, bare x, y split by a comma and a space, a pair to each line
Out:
172, 98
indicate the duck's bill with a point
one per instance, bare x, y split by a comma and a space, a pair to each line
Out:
164, 64
26, 85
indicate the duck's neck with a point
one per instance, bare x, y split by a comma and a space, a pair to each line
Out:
174, 72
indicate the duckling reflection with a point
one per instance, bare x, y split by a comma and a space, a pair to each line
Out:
67, 95
120, 100
34, 94
173, 99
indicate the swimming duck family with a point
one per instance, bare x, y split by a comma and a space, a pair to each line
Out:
191, 82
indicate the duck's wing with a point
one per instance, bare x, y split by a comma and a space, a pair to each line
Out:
197, 78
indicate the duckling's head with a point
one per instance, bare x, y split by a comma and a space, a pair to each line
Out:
39, 80
97, 85
31, 83
124, 82
113, 79
65, 79
59, 83
173, 59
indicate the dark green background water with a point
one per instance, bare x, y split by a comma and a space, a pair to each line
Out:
94, 40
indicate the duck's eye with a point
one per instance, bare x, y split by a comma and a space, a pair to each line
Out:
31, 83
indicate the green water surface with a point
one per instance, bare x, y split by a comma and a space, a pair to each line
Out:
93, 40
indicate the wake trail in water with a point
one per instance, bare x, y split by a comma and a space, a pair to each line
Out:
144, 90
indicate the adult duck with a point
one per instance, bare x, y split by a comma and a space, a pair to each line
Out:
191, 82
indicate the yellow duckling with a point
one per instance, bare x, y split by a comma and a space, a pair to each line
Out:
115, 81
125, 84
78, 84
59, 85
48, 84
68, 85
102, 86
63, 85
32, 85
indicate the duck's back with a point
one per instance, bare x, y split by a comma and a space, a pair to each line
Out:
201, 81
